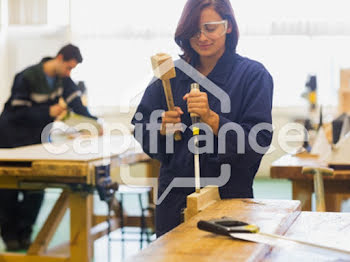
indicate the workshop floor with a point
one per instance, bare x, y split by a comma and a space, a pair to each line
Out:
263, 189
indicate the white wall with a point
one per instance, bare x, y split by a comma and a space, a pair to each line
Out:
24, 46
3, 52
3, 70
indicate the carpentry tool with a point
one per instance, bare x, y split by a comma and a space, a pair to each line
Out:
164, 69
195, 120
318, 173
244, 231
310, 93
339, 158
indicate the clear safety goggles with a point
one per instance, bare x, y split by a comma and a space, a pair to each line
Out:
212, 30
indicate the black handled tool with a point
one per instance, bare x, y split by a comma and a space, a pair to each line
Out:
241, 230
226, 226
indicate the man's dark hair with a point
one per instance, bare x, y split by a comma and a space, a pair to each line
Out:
70, 52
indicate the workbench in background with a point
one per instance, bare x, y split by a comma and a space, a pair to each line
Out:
33, 167
336, 187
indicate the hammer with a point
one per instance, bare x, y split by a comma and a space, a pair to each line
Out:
318, 173
164, 69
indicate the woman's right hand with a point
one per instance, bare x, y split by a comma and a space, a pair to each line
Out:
171, 121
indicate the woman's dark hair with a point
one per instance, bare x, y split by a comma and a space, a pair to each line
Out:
189, 22
70, 52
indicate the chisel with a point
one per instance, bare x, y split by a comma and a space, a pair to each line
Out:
195, 120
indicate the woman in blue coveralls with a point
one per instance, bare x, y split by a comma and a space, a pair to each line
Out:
207, 33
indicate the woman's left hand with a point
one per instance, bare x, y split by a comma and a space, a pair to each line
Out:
197, 102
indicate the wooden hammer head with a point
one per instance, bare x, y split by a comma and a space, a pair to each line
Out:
163, 66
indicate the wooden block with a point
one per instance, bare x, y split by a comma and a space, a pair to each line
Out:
163, 66
197, 202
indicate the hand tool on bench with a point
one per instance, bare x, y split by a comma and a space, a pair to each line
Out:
164, 69
244, 231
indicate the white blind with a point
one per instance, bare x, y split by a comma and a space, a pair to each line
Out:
297, 17
27, 12
130, 19
291, 38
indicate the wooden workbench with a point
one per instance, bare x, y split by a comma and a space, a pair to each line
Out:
33, 167
187, 243
289, 167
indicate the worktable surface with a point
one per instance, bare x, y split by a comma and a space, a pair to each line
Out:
81, 149
187, 243
327, 228
36, 162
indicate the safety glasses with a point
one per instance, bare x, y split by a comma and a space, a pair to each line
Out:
212, 30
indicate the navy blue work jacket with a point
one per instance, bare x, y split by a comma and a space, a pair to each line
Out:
26, 112
250, 88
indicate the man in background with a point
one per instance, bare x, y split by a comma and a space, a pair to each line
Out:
33, 104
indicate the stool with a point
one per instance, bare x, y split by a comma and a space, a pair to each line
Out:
139, 191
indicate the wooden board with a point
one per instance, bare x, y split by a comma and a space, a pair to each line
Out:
332, 229
187, 243
290, 167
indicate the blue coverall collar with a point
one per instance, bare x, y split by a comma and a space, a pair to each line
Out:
221, 71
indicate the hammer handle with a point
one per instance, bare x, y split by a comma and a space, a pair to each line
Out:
168, 94
170, 103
